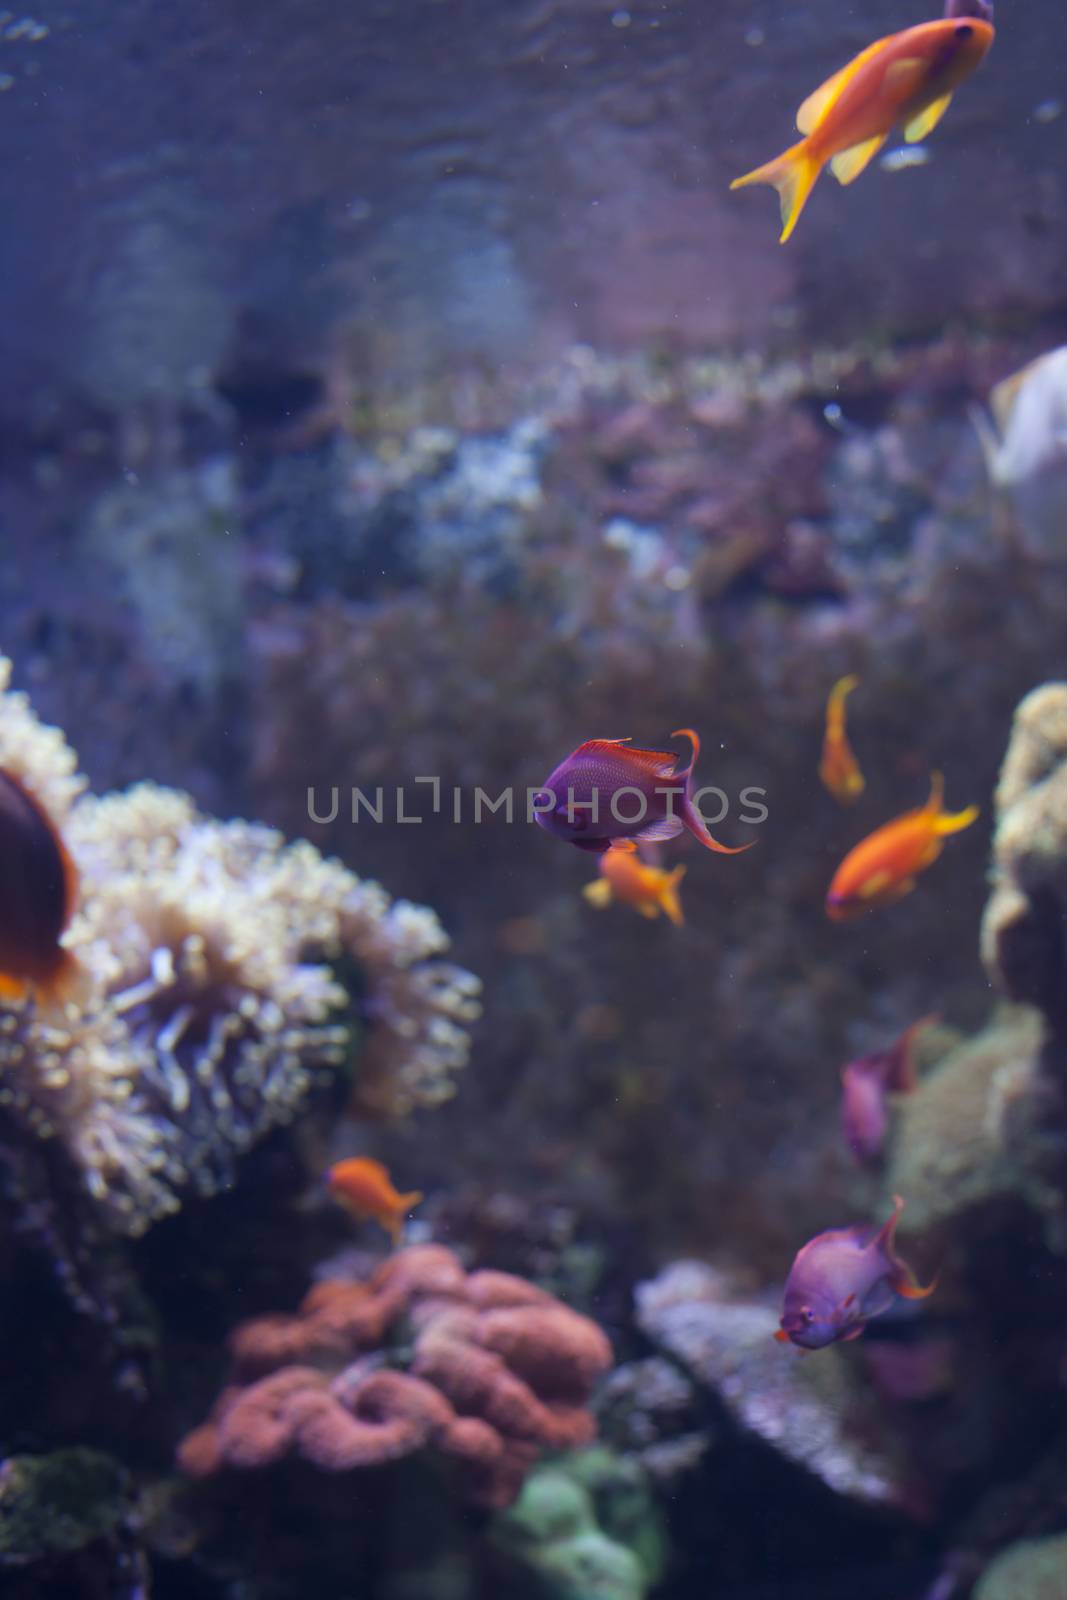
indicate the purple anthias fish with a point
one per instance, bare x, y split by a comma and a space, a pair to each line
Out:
866, 1085
843, 1278
607, 791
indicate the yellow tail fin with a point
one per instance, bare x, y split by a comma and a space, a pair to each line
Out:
947, 821
668, 898
792, 173
956, 821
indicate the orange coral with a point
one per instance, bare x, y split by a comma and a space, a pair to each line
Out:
499, 1372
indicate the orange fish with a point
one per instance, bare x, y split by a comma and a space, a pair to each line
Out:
38, 892
628, 879
839, 769
905, 80
883, 867
365, 1188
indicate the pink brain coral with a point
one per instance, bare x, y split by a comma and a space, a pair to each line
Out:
499, 1372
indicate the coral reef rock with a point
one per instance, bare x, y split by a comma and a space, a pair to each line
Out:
963, 1138
1022, 934
497, 1372
1034, 1569
814, 1413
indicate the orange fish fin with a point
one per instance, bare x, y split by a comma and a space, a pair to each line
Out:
782, 1336
12, 988
927, 120
908, 70
819, 102
408, 1202
694, 740
956, 821
847, 165
835, 701
622, 847
394, 1227
669, 900
793, 174
598, 893
853, 1333
648, 909
909, 1290
875, 885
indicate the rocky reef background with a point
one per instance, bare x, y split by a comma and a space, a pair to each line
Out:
400, 393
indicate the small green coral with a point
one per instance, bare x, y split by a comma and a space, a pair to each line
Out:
585, 1528
1034, 1569
50, 1505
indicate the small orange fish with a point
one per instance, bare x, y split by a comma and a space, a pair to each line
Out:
38, 893
905, 80
365, 1188
883, 867
839, 769
628, 879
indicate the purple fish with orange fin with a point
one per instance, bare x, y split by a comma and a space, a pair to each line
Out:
38, 893
843, 1278
607, 791
866, 1085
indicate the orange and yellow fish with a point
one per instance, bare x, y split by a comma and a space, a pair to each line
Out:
632, 882
38, 892
883, 867
839, 769
905, 80
365, 1188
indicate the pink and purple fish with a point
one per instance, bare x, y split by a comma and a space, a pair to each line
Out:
866, 1085
843, 1278
607, 791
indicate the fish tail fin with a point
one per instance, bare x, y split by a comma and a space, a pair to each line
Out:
694, 740
840, 693
699, 829
902, 1279
408, 1202
793, 174
598, 893
956, 821
908, 1289
669, 900
394, 1227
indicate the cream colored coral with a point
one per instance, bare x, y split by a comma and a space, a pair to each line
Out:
38, 755
208, 1002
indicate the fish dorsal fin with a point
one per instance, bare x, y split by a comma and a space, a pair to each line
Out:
847, 165
819, 102
661, 763
927, 120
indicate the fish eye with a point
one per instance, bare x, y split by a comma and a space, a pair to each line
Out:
963, 30
807, 1313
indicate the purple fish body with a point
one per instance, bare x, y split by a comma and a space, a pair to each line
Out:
866, 1085
864, 1108
607, 792
840, 1280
